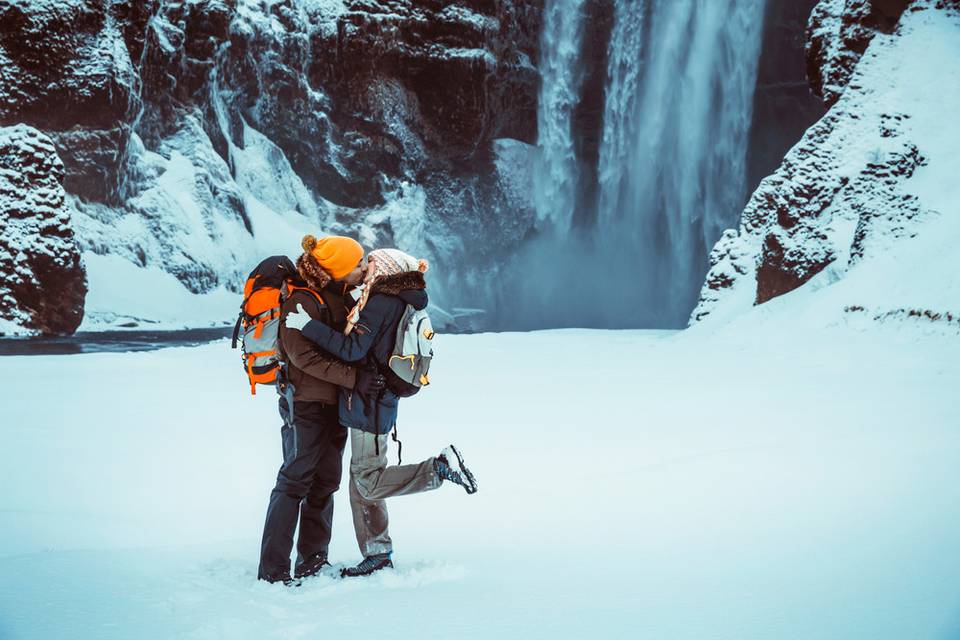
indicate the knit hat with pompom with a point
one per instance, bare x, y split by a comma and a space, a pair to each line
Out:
337, 256
381, 263
388, 262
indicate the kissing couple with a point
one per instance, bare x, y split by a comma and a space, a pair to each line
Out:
345, 320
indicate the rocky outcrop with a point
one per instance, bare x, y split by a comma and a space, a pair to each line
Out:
837, 35
42, 282
383, 90
843, 192
67, 70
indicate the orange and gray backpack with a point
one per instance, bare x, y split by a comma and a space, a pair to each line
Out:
260, 319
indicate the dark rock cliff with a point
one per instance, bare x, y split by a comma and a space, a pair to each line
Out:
357, 102
784, 105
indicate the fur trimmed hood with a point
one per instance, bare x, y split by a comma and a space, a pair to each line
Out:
395, 284
409, 286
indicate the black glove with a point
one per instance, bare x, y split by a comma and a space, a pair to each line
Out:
369, 383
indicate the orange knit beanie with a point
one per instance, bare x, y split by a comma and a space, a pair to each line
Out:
337, 255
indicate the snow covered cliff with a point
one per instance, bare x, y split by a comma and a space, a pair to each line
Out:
198, 136
865, 209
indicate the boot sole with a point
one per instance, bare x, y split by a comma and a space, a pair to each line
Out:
466, 472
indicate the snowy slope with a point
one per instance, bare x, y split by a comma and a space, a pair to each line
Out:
716, 483
866, 206
206, 249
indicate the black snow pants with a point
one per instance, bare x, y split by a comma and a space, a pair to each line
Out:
308, 478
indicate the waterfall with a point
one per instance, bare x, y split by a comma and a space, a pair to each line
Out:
677, 117
555, 176
671, 169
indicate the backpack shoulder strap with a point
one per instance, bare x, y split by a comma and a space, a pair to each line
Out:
403, 325
292, 288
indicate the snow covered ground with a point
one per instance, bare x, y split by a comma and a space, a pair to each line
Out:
763, 479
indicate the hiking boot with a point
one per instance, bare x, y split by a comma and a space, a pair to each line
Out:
311, 566
449, 466
369, 565
280, 577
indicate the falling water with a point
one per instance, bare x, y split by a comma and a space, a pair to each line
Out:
676, 123
680, 77
555, 176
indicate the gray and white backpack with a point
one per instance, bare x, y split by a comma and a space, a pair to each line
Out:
409, 363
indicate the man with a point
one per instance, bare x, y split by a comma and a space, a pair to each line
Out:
313, 440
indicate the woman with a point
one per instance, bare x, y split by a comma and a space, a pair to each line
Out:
393, 281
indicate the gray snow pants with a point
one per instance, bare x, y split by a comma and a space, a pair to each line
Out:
372, 481
308, 478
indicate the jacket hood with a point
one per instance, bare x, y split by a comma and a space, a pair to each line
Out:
409, 286
416, 298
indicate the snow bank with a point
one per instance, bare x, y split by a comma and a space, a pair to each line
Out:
125, 296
